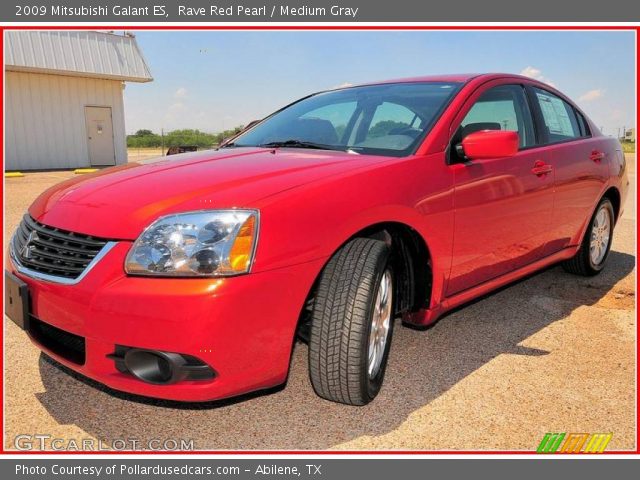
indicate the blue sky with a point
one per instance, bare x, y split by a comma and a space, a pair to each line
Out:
213, 80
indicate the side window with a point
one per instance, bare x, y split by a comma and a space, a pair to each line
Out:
500, 108
332, 118
558, 116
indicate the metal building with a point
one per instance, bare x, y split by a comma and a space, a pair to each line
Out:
64, 97
630, 135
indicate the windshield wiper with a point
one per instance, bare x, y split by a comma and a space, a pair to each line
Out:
299, 144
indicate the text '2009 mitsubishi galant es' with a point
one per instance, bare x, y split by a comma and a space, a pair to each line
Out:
189, 278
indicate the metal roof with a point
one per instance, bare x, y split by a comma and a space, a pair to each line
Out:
77, 53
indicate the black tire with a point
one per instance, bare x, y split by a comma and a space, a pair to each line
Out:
582, 263
341, 323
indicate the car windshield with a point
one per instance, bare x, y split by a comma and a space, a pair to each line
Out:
389, 119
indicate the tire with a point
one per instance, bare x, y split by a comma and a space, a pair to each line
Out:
584, 263
351, 284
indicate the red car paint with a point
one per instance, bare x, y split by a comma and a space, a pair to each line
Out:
485, 224
490, 144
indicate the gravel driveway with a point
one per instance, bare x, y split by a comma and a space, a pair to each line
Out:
553, 353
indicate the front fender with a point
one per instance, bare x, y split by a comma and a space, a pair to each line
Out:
312, 222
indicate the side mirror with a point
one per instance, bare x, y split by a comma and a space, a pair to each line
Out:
490, 144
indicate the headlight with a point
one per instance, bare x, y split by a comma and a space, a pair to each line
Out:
196, 244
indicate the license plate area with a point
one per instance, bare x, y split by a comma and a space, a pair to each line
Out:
16, 300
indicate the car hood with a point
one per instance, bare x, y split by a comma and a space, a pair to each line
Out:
119, 202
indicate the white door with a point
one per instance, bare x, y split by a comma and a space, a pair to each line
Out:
100, 135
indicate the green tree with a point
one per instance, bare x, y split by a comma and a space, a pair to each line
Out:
143, 133
145, 138
383, 128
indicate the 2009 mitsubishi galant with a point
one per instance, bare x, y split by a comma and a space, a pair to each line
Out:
188, 278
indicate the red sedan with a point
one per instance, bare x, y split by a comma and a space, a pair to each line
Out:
190, 277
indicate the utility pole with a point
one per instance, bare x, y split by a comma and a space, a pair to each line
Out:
162, 141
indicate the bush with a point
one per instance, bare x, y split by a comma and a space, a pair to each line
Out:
148, 139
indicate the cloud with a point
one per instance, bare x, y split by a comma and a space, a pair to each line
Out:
591, 95
174, 115
342, 85
616, 114
533, 72
177, 112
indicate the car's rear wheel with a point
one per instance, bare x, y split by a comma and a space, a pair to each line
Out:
593, 253
352, 323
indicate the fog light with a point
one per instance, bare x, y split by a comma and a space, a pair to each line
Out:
160, 368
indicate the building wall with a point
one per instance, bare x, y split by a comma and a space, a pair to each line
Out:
45, 123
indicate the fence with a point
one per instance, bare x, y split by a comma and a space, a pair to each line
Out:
146, 143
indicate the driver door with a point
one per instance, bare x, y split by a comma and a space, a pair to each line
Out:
503, 206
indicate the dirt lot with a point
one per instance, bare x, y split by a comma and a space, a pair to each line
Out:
552, 353
137, 154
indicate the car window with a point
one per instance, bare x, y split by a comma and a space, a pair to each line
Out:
394, 124
584, 126
501, 108
387, 119
558, 116
338, 114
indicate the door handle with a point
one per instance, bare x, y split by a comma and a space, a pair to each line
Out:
540, 168
596, 156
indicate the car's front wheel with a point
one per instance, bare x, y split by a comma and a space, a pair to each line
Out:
352, 323
593, 253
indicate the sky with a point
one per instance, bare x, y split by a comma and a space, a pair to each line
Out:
216, 80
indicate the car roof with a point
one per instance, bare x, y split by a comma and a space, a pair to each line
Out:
477, 78
455, 77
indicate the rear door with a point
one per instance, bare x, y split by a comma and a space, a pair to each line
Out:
579, 162
503, 206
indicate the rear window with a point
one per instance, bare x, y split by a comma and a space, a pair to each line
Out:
584, 126
560, 120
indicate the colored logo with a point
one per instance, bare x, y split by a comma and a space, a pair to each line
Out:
574, 442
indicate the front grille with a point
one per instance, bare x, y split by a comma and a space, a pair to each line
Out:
53, 251
62, 343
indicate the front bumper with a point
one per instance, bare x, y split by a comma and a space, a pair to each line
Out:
243, 327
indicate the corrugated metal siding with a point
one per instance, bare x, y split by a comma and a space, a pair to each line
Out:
79, 53
45, 124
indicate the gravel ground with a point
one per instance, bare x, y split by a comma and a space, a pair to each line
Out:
552, 353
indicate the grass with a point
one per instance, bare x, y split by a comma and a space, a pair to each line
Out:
137, 154
145, 151
629, 147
